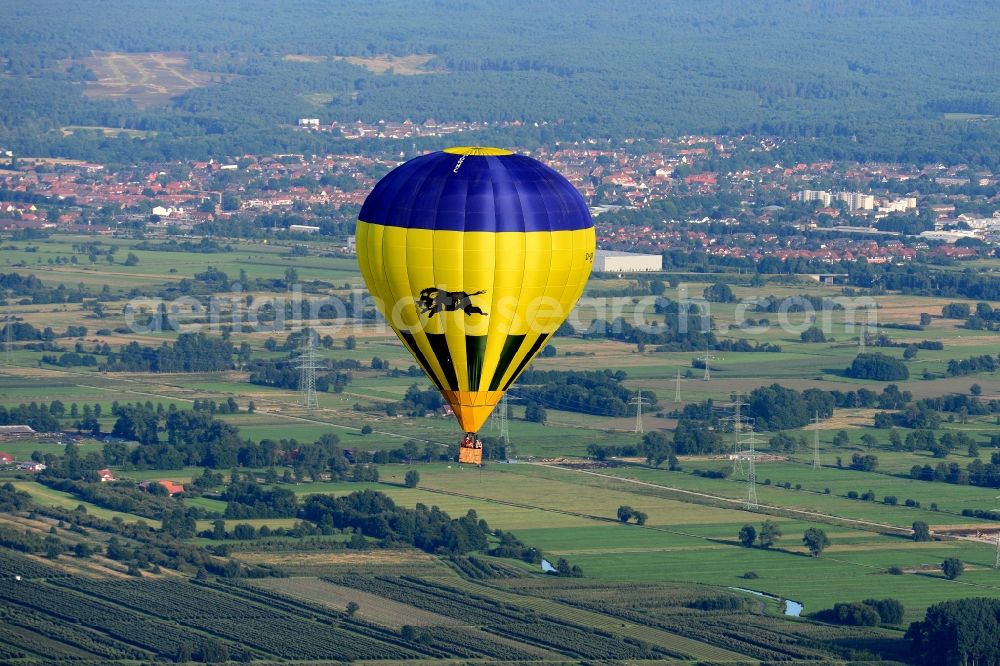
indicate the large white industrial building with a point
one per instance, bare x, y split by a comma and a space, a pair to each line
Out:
610, 261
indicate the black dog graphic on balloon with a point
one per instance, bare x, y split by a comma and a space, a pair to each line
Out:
434, 300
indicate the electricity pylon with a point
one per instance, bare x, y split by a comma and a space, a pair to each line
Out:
707, 358
996, 559
638, 401
677, 387
738, 420
307, 365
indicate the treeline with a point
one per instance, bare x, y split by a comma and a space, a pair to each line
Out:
29, 290
591, 392
191, 352
776, 407
38, 416
121, 496
286, 373
973, 365
976, 473
429, 529
245, 498
23, 331
867, 613
684, 328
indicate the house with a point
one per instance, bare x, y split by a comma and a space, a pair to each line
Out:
171, 487
105, 475
31, 466
6, 458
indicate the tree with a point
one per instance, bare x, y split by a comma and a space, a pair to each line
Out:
352, 608
625, 513
656, 447
815, 540
921, 531
214, 651
366, 429
131, 260
748, 535
720, 292
812, 334
890, 611
976, 390
769, 534
640, 518
952, 568
877, 366
412, 478
534, 413
864, 463
958, 633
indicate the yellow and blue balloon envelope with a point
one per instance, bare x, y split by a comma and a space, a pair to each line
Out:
474, 256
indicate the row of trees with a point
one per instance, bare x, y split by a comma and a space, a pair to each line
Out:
191, 352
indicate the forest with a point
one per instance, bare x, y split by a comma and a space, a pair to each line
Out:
869, 81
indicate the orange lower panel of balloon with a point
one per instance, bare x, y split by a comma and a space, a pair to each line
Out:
472, 408
470, 456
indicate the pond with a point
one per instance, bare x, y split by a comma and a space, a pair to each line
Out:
792, 608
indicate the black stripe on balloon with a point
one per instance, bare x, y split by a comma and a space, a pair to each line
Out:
439, 343
411, 343
507, 354
475, 353
535, 346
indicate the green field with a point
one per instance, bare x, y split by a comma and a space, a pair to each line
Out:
690, 537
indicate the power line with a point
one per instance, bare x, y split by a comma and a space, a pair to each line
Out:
308, 365
751, 501
638, 401
504, 421
996, 560
8, 355
816, 462
737, 428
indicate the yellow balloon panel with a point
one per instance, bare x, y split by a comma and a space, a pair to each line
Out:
474, 307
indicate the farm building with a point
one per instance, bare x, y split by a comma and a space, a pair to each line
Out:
6, 458
16, 432
105, 475
611, 261
171, 487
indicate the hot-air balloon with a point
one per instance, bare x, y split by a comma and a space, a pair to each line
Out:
474, 256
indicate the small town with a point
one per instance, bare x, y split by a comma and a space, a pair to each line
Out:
879, 213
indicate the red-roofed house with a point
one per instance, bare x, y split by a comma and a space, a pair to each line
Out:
171, 487
6, 458
105, 475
